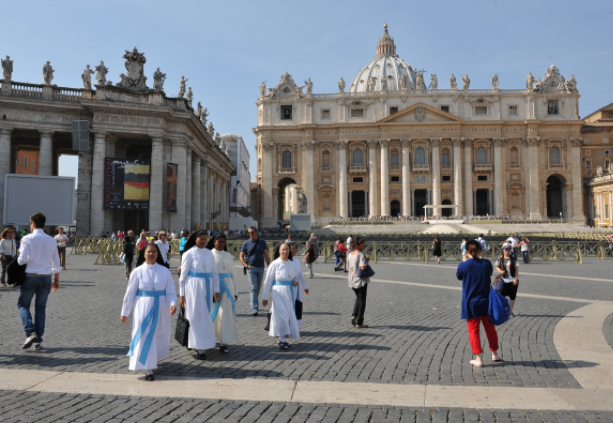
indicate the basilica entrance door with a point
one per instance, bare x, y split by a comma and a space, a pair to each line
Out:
395, 208
420, 200
555, 205
358, 203
483, 202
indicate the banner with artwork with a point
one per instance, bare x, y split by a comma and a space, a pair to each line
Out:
171, 187
126, 184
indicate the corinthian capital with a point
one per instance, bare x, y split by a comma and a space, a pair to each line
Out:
405, 142
384, 143
576, 141
309, 145
533, 141
498, 141
436, 141
468, 142
457, 141
372, 143
340, 144
268, 146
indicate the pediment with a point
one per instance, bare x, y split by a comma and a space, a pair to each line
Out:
421, 113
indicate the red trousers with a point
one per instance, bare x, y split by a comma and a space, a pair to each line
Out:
475, 339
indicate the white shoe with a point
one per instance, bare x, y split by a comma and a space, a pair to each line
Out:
37, 346
29, 341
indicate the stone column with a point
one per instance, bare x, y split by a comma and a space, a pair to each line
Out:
45, 155
188, 190
348, 196
196, 191
202, 219
577, 213
97, 197
406, 178
372, 178
533, 172
457, 175
84, 190
498, 182
469, 208
385, 178
267, 219
425, 211
157, 199
436, 175
5, 163
308, 179
341, 148
110, 144
179, 155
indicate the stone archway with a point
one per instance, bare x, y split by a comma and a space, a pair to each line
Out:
446, 212
395, 208
281, 199
555, 196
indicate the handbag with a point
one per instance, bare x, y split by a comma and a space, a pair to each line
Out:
249, 254
498, 284
362, 274
16, 272
298, 310
182, 329
341, 254
499, 309
268, 316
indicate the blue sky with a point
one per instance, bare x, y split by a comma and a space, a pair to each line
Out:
227, 48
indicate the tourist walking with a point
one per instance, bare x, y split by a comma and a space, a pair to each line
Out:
475, 274
508, 267
62, 242
525, 249
356, 261
313, 241
279, 284
483, 246
164, 247
8, 250
198, 281
128, 253
350, 243
224, 311
463, 246
182, 243
38, 251
341, 254
437, 249
151, 293
302, 287
309, 258
339, 240
254, 253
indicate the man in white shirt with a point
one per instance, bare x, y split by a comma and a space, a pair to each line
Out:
164, 247
38, 251
62, 241
173, 235
349, 243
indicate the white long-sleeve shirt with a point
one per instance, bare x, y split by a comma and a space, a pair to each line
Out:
164, 247
39, 251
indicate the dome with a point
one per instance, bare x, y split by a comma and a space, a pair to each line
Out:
397, 73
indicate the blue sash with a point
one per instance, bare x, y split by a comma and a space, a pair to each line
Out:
291, 286
223, 288
150, 318
207, 278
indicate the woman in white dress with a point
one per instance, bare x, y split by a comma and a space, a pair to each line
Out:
280, 281
303, 285
224, 311
198, 281
151, 292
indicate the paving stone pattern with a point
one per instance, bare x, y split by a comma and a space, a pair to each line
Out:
42, 407
607, 328
416, 336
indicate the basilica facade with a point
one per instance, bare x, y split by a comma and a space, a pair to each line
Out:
391, 141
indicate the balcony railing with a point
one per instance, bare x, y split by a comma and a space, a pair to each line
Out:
287, 170
446, 166
395, 167
556, 166
482, 166
422, 167
69, 94
515, 165
325, 168
357, 168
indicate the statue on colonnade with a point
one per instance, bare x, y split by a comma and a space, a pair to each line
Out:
158, 80
101, 73
7, 68
182, 87
48, 73
86, 76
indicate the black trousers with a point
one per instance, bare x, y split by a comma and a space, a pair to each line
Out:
360, 304
5, 264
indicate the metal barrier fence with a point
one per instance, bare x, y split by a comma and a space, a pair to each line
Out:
108, 251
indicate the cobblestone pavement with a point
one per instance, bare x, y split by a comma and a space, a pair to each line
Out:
607, 328
416, 335
42, 407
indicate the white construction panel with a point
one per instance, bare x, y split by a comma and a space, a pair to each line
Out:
25, 195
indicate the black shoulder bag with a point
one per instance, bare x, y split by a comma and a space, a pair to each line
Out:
16, 272
249, 254
182, 329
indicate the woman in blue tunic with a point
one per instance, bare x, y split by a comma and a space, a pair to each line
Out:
475, 274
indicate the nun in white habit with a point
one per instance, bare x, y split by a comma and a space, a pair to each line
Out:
301, 279
151, 293
198, 282
224, 311
279, 284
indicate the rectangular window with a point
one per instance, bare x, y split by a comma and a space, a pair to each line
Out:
445, 158
553, 107
32, 164
358, 180
445, 109
513, 111
395, 159
481, 110
25, 162
481, 177
588, 164
325, 113
446, 178
286, 112
357, 113
234, 195
393, 110
395, 178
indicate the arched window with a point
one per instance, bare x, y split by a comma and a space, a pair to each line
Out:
514, 155
358, 157
420, 156
445, 156
394, 157
327, 202
481, 155
325, 159
287, 159
554, 155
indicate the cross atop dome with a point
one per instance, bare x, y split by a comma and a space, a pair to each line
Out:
386, 44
